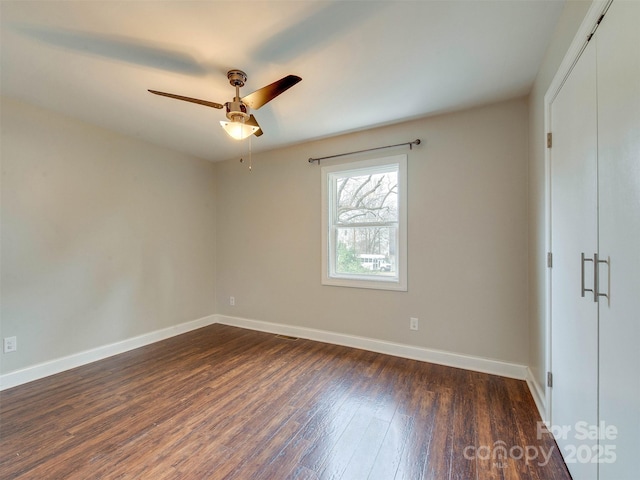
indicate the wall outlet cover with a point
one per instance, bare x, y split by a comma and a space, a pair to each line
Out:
10, 344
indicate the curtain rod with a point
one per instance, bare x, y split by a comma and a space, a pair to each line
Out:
411, 144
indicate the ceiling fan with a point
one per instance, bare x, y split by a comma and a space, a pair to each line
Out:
241, 122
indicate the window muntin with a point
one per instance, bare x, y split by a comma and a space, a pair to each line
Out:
364, 224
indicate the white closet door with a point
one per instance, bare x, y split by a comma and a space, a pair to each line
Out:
618, 42
574, 227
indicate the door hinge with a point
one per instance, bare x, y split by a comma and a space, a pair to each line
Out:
549, 139
593, 32
549, 379
549, 260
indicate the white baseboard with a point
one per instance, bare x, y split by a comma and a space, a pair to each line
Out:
538, 394
467, 362
35, 372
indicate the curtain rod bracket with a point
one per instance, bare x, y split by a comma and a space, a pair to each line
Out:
411, 144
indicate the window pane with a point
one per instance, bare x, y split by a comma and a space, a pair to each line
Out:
366, 251
367, 198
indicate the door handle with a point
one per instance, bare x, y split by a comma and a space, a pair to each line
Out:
595, 275
596, 286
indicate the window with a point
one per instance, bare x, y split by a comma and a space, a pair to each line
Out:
364, 224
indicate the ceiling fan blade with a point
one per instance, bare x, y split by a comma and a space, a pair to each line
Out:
252, 121
258, 98
188, 99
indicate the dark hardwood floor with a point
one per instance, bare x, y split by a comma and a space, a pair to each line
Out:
228, 403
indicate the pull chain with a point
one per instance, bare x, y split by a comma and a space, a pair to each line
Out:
242, 159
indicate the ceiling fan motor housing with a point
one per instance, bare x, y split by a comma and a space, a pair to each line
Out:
237, 111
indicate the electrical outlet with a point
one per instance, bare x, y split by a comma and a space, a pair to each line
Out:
10, 344
232, 301
413, 323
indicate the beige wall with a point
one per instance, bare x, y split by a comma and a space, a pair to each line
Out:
467, 237
571, 18
103, 237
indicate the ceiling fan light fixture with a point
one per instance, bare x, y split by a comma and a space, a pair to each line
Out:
238, 129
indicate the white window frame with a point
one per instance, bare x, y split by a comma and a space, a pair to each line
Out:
329, 276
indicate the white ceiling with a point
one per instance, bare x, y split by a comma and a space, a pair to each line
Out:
363, 63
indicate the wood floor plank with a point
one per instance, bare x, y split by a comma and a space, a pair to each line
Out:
226, 403
414, 456
302, 473
391, 450
441, 443
344, 448
464, 426
363, 459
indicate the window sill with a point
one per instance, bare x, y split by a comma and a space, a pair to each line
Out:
350, 282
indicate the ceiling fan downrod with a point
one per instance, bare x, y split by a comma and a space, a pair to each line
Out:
236, 110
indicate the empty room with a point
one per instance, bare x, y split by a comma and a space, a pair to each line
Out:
320, 239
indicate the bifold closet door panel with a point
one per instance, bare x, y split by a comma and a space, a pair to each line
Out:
618, 42
574, 227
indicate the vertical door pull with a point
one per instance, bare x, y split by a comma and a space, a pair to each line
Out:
596, 263
583, 290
